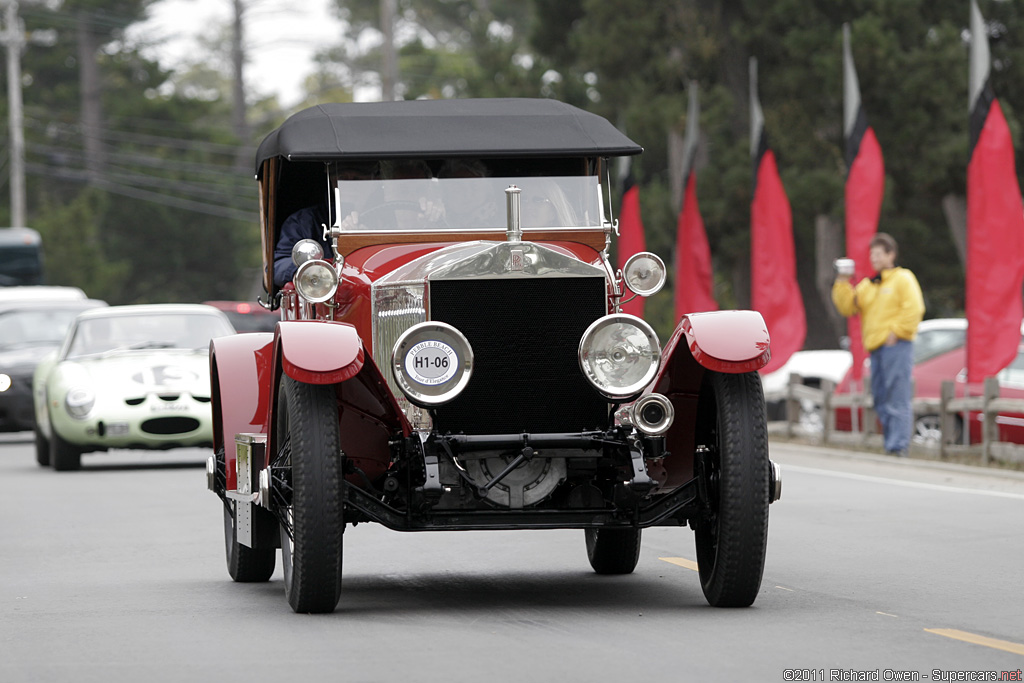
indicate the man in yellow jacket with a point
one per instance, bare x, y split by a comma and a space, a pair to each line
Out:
890, 307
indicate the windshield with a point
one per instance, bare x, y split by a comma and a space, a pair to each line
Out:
35, 327
467, 203
1013, 375
932, 343
20, 265
137, 332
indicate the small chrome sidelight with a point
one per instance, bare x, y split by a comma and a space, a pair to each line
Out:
644, 273
316, 281
306, 250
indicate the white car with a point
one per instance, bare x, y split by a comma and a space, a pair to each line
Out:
127, 377
813, 366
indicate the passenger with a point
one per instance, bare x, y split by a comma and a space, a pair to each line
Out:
467, 205
545, 206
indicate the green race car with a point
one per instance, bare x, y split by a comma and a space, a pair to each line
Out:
127, 377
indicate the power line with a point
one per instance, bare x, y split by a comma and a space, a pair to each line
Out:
75, 130
223, 175
145, 195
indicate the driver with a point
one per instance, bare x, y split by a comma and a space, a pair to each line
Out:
309, 223
403, 213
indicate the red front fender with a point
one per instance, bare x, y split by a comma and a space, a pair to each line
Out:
319, 352
726, 341
240, 366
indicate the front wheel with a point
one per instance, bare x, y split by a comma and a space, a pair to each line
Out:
613, 551
64, 456
311, 535
732, 534
42, 448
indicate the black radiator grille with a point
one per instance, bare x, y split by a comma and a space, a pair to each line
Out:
525, 335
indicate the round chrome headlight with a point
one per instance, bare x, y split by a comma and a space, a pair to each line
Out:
316, 281
619, 355
432, 363
644, 273
306, 250
79, 402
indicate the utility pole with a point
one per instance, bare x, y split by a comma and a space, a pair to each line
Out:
13, 37
389, 72
238, 108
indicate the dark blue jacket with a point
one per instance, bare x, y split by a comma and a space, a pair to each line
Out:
303, 224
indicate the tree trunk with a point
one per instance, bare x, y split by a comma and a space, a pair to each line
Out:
828, 240
954, 207
675, 169
90, 92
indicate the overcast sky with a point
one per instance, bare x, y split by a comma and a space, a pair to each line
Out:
281, 35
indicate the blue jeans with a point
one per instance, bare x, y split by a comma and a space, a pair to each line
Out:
892, 390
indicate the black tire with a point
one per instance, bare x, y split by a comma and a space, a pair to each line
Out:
311, 558
64, 456
245, 564
42, 448
613, 551
732, 536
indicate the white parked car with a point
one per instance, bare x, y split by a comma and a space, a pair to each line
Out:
813, 366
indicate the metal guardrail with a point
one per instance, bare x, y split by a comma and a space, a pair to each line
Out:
949, 408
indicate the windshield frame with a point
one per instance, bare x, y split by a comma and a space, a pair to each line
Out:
437, 205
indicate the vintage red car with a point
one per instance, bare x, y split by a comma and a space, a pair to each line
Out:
457, 360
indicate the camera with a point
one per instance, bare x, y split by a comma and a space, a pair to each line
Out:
844, 266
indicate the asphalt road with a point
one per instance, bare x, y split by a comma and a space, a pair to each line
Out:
116, 573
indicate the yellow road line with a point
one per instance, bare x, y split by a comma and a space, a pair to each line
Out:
681, 561
994, 643
886, 614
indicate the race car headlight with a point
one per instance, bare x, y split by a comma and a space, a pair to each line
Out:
619, 355
316, 281
644, 273
5, 383
79, 402
432, 363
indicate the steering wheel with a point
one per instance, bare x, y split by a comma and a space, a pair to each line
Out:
399, 205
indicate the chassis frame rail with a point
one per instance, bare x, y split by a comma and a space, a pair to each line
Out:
662, 511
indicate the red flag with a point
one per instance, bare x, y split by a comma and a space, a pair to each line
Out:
865, 188
694, 283
995, 225
775, 293
631, 238
694, 290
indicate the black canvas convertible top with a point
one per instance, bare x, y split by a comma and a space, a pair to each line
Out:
444, 128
